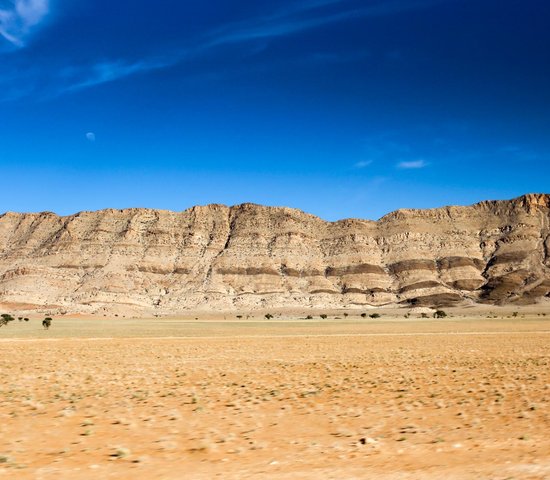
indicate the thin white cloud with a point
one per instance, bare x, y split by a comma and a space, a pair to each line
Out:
412, 164
17, 22
363, 164
90, 136
110, 71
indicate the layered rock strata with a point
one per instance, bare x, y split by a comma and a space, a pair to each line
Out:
252, 257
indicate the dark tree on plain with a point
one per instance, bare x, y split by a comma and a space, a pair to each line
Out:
6, 318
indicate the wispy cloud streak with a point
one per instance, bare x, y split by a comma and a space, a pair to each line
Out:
310, 16
105, 72
16, 23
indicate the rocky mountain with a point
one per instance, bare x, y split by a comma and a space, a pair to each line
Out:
251, 257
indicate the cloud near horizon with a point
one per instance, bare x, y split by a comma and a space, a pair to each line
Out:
363, 164
17, 22
414, 164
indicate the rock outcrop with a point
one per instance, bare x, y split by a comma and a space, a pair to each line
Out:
250, 257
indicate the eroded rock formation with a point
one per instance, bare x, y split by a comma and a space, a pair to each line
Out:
249, 256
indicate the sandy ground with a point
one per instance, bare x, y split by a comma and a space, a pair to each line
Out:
461, 398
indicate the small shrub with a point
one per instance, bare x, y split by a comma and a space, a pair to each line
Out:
323, 316
121, 453
268, 316
363, 315
309, 317
439, 314
47, 322
514, 314
423, 315
239, 316
345, 315
374, 315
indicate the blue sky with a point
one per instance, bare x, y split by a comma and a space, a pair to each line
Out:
341, 108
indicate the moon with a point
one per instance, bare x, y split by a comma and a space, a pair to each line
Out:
90, 136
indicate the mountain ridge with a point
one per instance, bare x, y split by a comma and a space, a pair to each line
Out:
528, 199
250, 256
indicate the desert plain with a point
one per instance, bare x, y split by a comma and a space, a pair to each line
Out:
464, 397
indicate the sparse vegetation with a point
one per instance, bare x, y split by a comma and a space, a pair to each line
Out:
5, 319
363, 315
374, 315
268, 316
46, 323
323, 316
439, 314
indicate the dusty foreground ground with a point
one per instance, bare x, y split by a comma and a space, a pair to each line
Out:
455, 399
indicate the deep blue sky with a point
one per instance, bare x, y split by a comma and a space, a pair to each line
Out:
341, 108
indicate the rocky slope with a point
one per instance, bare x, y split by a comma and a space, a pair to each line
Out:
249, 256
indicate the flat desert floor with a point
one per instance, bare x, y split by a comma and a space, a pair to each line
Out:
459, 398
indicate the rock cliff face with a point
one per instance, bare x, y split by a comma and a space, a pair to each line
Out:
249, 256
